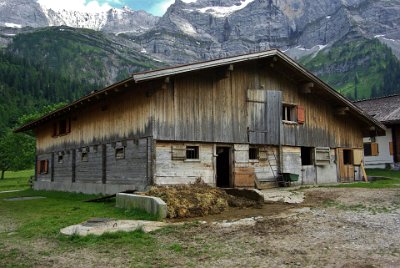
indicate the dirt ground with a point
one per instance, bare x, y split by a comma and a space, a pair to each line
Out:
334, 227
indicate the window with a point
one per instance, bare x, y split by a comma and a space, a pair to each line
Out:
192, 152
371, 149
120, 153
288, 112
84, 156
348, 157
43, 167
60, 158
62, 127
306, 156
253, 153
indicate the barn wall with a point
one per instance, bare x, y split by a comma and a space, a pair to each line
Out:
118, 117
101, 172
208, 107
170, 172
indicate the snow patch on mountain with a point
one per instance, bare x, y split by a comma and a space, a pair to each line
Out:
222, 11
183, 25
12, 25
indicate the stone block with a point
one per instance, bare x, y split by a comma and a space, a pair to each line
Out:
152, 205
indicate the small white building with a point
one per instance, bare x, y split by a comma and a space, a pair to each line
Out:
383, 151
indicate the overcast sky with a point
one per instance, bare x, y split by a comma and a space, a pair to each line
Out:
155, 7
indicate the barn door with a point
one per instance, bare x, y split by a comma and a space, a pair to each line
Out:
264, 116
346, 164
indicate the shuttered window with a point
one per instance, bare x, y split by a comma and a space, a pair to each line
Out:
61, 127
300, 115
178, 152
42, 167
371, 149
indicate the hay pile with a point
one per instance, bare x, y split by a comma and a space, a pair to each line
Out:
196, 200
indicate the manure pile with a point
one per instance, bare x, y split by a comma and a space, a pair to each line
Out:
197, 200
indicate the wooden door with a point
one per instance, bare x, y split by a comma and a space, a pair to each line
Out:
345, 165
264, 109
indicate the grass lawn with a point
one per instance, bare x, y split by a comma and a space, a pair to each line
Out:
31, 222
390, 179
16, 180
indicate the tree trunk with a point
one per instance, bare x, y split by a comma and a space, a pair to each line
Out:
2, 174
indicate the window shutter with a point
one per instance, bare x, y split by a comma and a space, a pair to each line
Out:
68, 127
374, 149
55, 128
300, 115
391, 148
178, 152
46, 166
38, 167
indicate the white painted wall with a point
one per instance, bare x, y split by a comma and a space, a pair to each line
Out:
170, 172
384, 156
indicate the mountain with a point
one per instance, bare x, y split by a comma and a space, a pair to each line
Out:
30, 13
81, 54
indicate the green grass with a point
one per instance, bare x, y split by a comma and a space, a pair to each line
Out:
16, 180
390, 179
45, 217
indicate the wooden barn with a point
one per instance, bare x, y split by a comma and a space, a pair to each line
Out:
230, 122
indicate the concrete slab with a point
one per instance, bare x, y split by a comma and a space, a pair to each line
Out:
285, 196
152, 205
11, 191
24, 198
101, 226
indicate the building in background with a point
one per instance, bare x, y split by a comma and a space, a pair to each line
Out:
383, 151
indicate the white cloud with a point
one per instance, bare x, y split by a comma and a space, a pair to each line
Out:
79, 5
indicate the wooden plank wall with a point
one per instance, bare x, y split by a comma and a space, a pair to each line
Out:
122, 116
134, 169
205, 107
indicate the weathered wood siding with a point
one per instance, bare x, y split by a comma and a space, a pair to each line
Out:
208, 107
170, 172
120, 116
133, 171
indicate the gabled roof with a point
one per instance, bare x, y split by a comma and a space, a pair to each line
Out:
172, 71
385, 109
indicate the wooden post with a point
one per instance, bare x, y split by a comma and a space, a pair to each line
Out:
364, 173
104, 163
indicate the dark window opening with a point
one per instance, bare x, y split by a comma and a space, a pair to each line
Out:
288, 113
62, 127
253, 153
120, 153
60, 158
367, 149
192, 152
348, 157
306, 156
85, 157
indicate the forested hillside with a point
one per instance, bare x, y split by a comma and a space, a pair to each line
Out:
358, 69
26, 87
